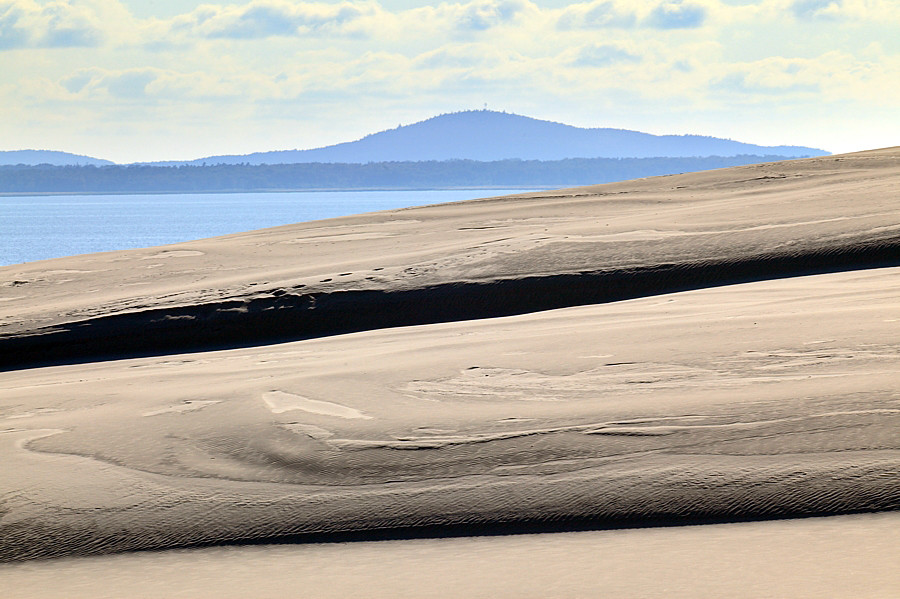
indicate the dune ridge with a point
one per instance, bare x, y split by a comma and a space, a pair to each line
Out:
572, 247
750, 370
290, 316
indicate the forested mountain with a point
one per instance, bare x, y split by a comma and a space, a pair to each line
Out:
480, 135
486, 135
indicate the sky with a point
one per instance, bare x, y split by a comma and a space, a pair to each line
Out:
141, 80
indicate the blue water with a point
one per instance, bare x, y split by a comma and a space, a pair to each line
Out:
41, 227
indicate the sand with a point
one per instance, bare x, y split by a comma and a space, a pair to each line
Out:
486, 380
838, 556
476, 259
762, 399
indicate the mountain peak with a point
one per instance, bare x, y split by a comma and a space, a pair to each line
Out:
489, 135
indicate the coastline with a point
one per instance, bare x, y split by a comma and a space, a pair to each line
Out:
274, 190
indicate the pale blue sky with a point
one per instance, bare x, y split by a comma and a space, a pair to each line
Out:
133, 80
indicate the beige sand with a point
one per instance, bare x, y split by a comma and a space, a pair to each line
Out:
637, 237
838, 556
767, 398
770, 398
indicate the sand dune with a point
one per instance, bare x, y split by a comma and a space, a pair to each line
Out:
460, 261
810, 558
717, 400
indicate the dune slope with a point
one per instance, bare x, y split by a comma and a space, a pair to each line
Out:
768, 398
774, 398
477, 259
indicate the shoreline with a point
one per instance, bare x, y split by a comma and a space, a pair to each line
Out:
287, 190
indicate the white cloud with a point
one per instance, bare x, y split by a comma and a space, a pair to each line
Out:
485, 14
615, 14
816, 9
267, 66
600, 14
261, 19
824, 11
150, 86
603, 55
677, 14
774, 75
834, 77
466, 56
27, 24
454, 20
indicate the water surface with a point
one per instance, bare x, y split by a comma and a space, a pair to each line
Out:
41, 227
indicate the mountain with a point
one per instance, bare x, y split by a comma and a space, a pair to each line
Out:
51, 157
486, 135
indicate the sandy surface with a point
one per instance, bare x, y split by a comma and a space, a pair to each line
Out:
771, 398
768, 398
814, 558
460, 261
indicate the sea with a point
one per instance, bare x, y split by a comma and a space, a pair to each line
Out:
51, 226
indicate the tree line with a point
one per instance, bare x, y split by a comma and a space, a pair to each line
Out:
24, 179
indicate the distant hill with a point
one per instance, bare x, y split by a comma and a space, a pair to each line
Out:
486, 135
54, 158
